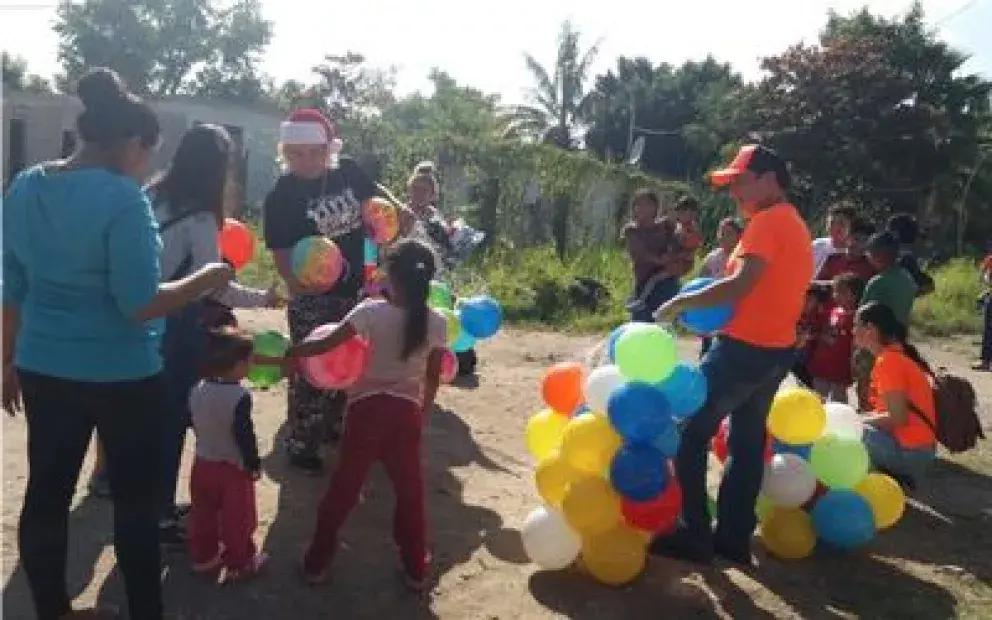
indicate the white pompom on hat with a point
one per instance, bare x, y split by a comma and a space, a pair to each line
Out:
311, 127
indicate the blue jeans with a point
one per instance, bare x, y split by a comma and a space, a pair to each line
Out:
887, 454
181, 352
742, 380
987, 331
660, 293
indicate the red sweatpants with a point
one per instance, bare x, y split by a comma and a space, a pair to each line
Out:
384, 429
222, 517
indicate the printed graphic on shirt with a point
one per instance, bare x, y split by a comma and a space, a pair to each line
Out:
335, 215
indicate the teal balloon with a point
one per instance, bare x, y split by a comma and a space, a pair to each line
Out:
685, 390
464, 342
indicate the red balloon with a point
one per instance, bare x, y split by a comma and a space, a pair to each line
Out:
721, 449
237, 243
658, 515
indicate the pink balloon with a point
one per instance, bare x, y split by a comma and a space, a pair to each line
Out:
449, 366
339, 368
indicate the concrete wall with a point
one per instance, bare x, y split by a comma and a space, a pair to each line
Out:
46, 117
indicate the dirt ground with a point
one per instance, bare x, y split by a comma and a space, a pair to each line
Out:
934, 564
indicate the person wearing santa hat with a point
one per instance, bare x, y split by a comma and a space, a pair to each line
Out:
320, 193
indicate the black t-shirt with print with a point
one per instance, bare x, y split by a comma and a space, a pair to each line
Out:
330, 206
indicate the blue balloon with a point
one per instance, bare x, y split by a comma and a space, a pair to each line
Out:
685, 390
464, 342
611, 342
481, 316
705, 320
638, 472
639, 411
802, 451
843, 519
668, 441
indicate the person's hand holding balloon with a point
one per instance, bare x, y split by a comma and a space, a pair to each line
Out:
669, 310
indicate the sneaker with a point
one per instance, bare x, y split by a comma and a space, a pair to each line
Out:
310, 463
312, 578
171, 534
683, 547
416, 584
740, 557
249, 572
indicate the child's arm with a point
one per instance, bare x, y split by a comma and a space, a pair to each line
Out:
244, 435
342, 332
432, 379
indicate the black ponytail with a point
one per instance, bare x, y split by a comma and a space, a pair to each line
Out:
411, 266
890, 330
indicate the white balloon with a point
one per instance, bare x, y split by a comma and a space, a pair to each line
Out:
600, 384
843, 421
789, 481
548, 540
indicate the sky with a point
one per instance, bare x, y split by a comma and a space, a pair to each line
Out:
482, 43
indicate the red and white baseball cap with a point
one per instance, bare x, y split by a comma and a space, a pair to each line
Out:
311, 127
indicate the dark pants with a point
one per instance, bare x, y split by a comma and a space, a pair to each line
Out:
313, 412
743, 380
987, 332
657, 293
61, 416
181, 351
379, 429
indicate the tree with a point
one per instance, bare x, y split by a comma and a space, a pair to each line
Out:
876, 113
558, 98
166, 47
689, 112
14, 71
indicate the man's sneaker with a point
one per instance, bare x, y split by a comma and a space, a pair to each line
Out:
683, 547
249, 572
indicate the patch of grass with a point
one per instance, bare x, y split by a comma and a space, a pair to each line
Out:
952, 308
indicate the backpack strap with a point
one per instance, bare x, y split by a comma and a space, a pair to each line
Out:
919, 413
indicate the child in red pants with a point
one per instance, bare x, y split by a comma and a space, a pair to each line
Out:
222, 516
387, 410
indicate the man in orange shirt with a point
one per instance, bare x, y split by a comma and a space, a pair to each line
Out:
769, 273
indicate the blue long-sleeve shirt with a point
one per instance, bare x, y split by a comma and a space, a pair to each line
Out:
80, 258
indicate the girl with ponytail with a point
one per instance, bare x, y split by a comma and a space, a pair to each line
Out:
387, 408
900, 434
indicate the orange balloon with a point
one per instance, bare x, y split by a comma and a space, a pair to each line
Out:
237, 243
562, 387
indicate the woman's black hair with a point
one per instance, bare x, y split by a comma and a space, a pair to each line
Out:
646, 193
111, 114
225, 347
890, 330
410, 264
904, 227
197, 176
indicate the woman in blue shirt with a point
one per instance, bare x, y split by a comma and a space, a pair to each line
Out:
82, 308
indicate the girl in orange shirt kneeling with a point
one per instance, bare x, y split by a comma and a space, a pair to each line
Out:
900, 432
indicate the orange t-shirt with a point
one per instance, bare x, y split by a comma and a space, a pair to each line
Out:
767, 316
895, 372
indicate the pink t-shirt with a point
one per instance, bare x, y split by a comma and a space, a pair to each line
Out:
381, 324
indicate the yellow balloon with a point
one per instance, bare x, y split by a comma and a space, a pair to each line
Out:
591, 506
552, 477
544, 433
614, 557
797, 416
788, 533
454, 325
589, 443
886, 497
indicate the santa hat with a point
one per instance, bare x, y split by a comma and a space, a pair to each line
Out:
309, 126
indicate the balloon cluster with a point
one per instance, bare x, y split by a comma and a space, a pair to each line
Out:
603, 448
468, 320
236, 243
381, 219
817, 483
317, 261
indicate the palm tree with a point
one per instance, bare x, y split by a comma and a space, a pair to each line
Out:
558, 99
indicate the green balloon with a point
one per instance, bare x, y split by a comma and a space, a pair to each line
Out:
762, 507
839, 462
273, 344
646, 353
711, 508
440, 295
